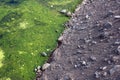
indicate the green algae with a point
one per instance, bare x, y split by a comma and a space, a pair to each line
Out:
28, 28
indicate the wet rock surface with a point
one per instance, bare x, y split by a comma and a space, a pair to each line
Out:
90, 46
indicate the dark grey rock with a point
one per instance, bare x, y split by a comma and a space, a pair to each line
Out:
107, 25
64, 11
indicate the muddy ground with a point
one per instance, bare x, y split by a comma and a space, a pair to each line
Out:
90, 48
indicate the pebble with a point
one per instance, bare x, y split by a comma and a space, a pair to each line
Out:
75, 66
45, 66
79, 52
103, 68
97, 74
118, 49
39, 71
83, 63
116, 68
35, 70
94, 42
67, 78
107, 25
115, 58
44, 54
38, 67
105, 74
117, 42
87, 17
69, 14
64, 11
60, 38
93, 58
117, 16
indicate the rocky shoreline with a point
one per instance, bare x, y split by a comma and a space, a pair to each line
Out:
90, 46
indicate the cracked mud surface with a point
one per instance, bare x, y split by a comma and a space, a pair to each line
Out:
90, 48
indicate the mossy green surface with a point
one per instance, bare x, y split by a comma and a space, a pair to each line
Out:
28, 28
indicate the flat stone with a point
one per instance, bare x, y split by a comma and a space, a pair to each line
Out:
117, 16
45, 66
64, 11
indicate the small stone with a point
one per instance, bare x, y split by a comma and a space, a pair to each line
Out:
115, 58
117, 42
44, 54
87, 17
51, 6
107, 25
60, 38
105, 74
38, 67
116, 68
78, 46
97, 74
103, 68
67, 78
79, 52
69, 14
45, 66
117, 16
75, 66
118, 49
64, 11
35, 70
93, 58
94, 42
83, 63
39, 71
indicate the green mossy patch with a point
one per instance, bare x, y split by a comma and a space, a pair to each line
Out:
27, 30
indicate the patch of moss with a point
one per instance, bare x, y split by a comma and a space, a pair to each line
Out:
27, 30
